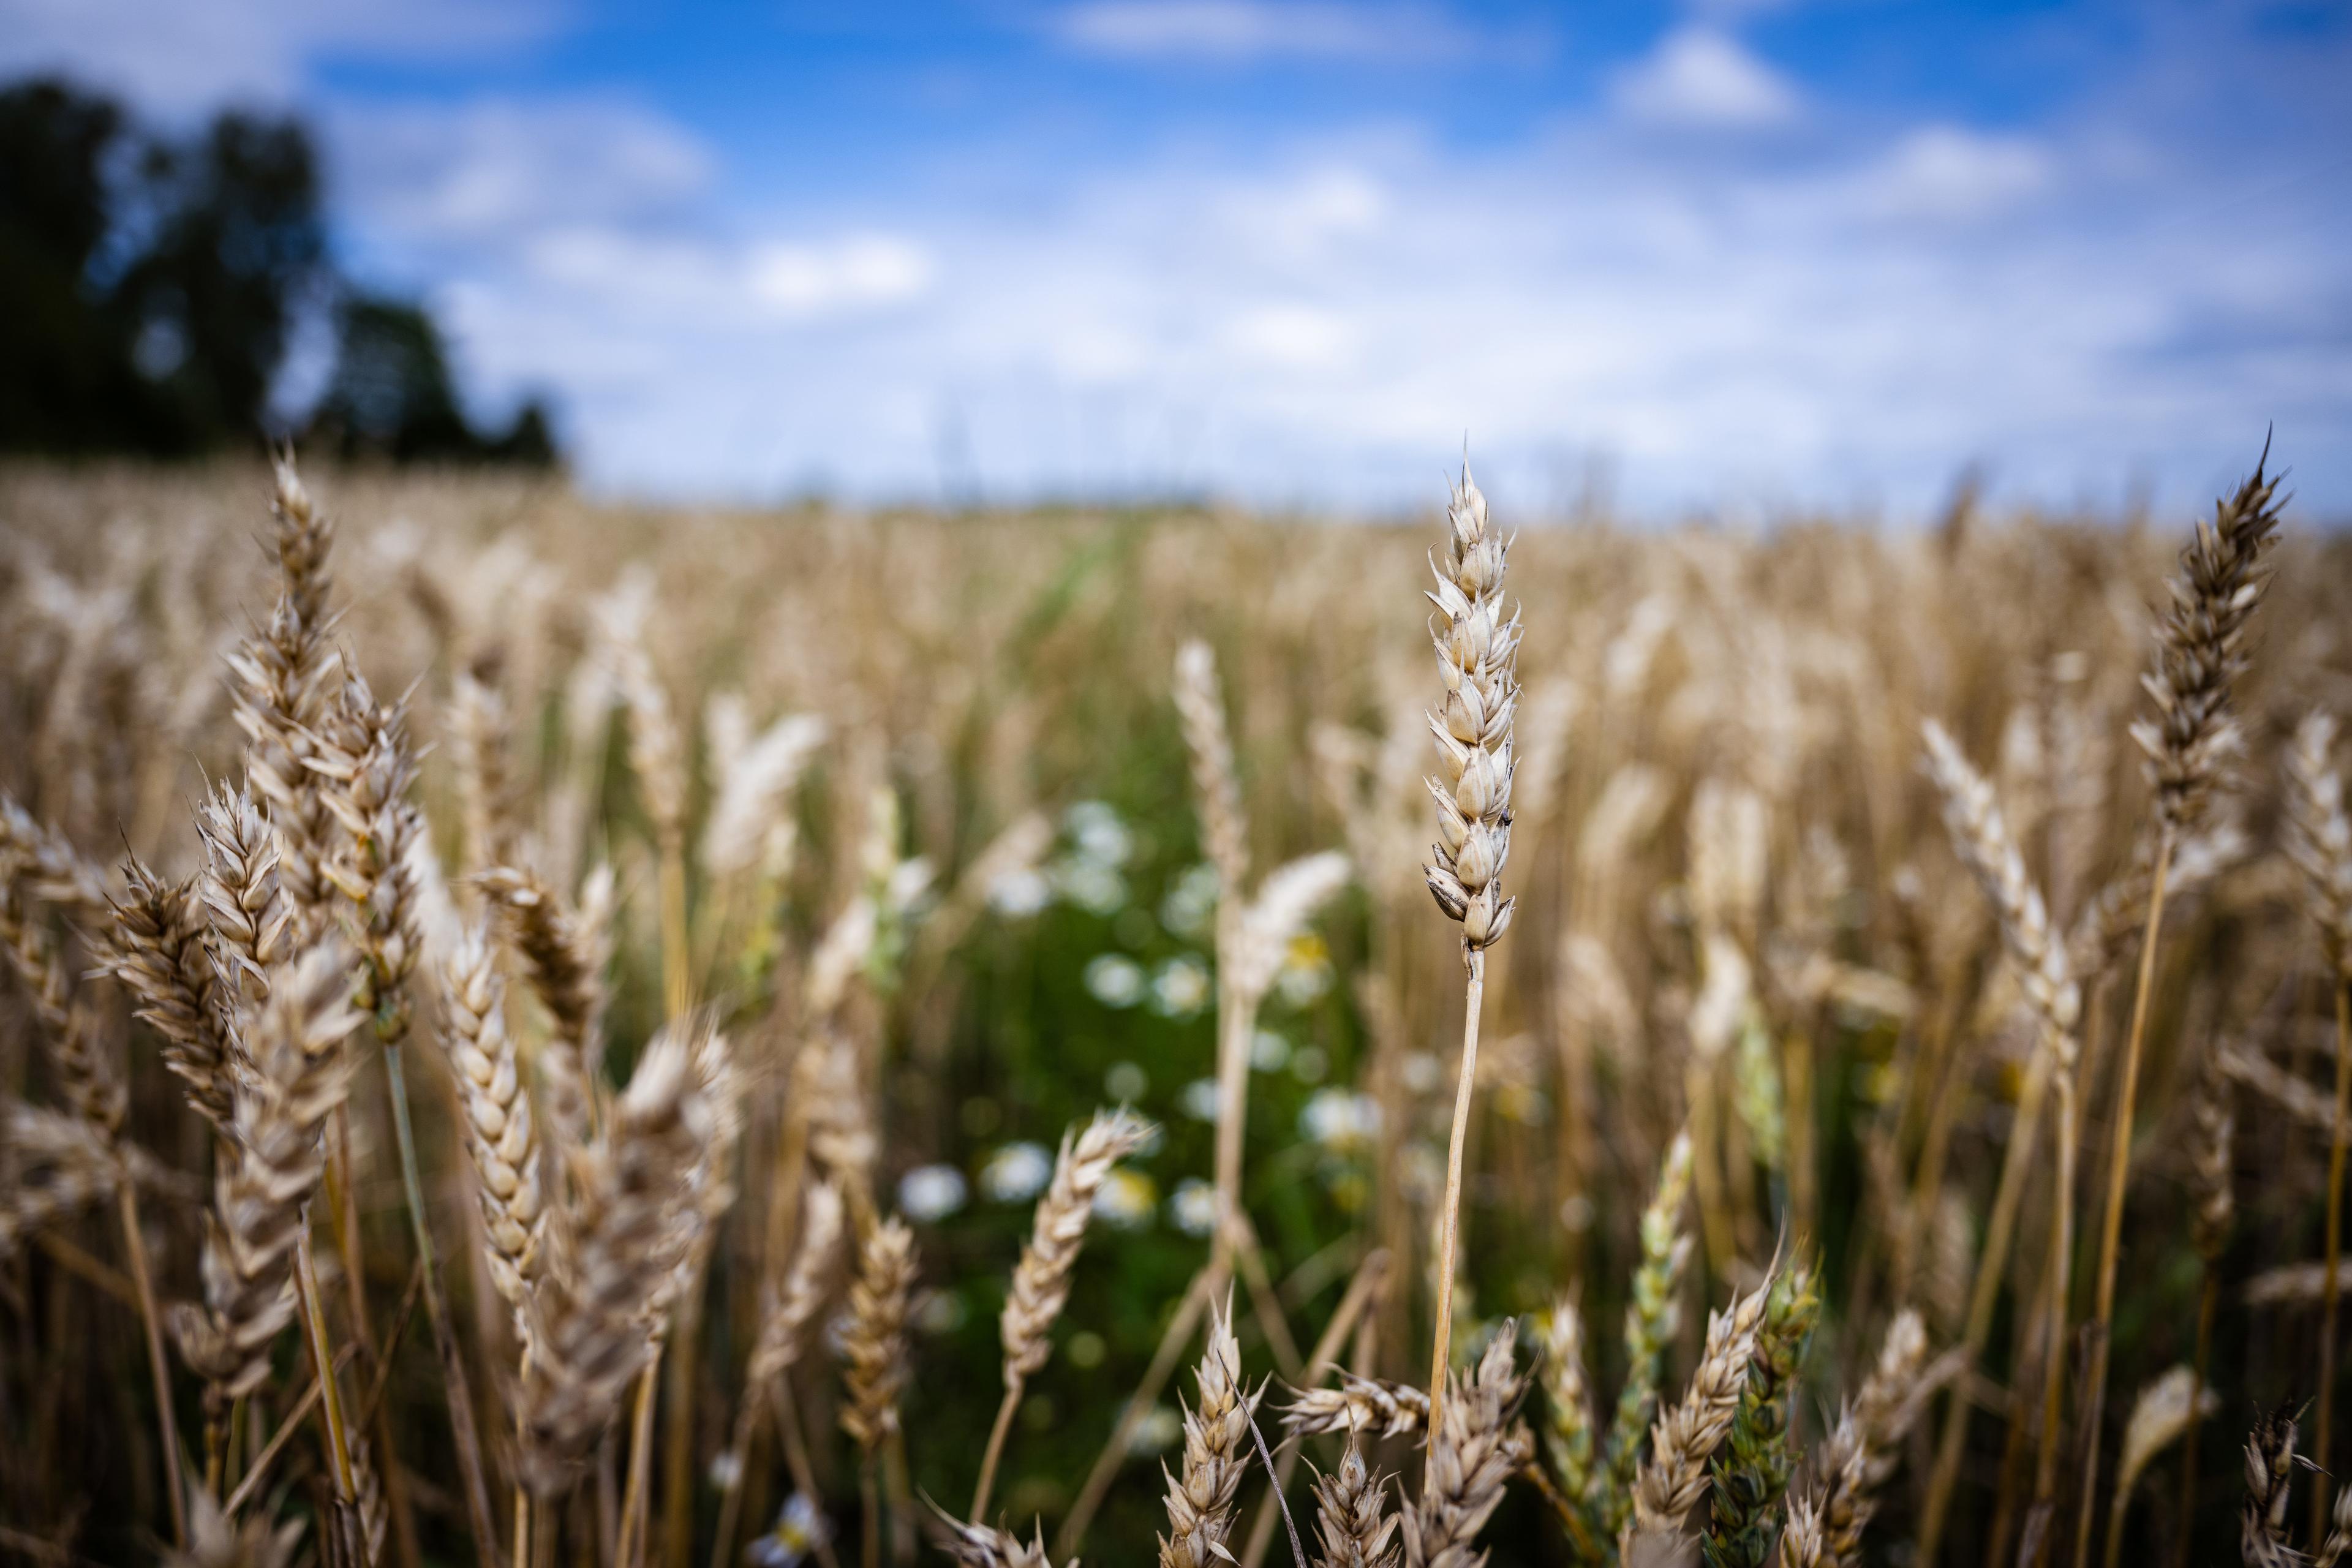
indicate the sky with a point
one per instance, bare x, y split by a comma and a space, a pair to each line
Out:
1742, 258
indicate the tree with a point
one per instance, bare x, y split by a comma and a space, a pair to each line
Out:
392, 395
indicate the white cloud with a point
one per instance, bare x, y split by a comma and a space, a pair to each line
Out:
177, 57
861, 270
1699, 76
1234, 31
1950, 174
503, 167
1290, 337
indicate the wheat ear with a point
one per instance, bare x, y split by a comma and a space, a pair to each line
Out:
499, 1137
874, 1347
1216, 1453
984, 1546
248, 910
1352, 1515
481, 750
1674, 1478
1860, 1453
1473, 1448
1652, 1317
299, 1074
1041, 1280
158, 949
2165, 1410
2270, 1478
1980, 838
630, 1214
51, 1166
284, 677
566, 974
2201, 650
1568, 1398
1477, 654
1751, 1474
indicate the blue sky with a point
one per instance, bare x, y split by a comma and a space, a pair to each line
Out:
1738, 256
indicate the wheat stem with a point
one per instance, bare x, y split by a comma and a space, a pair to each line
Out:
465, 1440
995, 1450
135, 1252
2118, 1179
1984, 1294
1474, 994
2332, 1293
330, 1403
2062, 1255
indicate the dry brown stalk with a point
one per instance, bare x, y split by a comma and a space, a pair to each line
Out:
158, 949
1477, 653
2199, 653
2213, 1158
1041, 1281
1674, 1478
1351, 1513
2319, 842
1216, 1453
1474, 1450
1981, 840
786, 1312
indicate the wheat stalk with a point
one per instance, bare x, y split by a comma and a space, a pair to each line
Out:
874, 1347
1041, 1281
481, 745
1216, 1453
1369, 1407
1477, 653
2199, 653
2212, 1157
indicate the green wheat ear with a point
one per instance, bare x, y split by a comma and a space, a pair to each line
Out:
1751, 1473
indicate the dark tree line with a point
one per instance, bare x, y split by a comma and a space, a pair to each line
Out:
148, 290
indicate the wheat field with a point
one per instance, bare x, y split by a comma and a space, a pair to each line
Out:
741, 1037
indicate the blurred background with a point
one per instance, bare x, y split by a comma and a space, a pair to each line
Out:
780, 450
1732, 256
